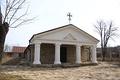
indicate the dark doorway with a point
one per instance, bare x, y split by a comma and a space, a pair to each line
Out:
63, 54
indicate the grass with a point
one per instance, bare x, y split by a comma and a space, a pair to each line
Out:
7, 60
10, 61
9, 77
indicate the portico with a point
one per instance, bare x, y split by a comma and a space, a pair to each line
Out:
57, 53
49, 44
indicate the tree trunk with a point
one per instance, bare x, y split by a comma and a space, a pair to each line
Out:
1, 49
1, 43
104, 53
103, 56
3, 32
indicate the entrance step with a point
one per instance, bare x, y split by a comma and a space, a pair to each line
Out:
68, 65
63, 65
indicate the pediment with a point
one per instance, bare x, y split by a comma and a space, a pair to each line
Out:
69, 37
67, 33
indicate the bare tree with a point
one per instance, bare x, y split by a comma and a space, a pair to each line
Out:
107, 31
11, 17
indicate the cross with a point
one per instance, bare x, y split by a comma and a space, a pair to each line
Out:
69, 15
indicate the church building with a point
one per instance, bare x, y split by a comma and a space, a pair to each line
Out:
66, 44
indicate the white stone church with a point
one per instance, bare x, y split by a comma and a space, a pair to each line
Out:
66, 44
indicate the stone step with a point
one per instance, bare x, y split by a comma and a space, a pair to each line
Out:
64, 65
67, 65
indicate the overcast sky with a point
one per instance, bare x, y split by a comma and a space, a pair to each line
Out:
53, 13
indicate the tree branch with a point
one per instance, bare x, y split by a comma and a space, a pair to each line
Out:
11, 9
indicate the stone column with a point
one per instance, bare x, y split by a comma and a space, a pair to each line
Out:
94, 60
78, 54
57, 54
37, 54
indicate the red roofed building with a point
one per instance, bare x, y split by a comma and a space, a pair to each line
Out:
18, 51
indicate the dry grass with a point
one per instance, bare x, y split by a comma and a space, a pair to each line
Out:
4, 76
8, 60
103, 71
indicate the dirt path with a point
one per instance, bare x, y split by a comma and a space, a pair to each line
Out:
104, 71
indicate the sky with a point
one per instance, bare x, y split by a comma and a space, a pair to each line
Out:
53, 13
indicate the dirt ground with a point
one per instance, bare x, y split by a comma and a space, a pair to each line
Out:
102, 71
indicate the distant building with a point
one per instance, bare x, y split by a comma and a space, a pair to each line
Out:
14, 56
17, 51
112, 54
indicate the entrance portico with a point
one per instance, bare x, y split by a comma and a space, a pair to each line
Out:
57, 60
70, 36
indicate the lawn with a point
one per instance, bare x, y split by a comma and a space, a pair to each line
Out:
102, 71
4, 76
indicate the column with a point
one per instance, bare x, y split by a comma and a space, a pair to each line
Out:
57, 54
78, 54
94, 60
37, 54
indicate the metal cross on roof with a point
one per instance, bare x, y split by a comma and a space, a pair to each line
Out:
69, 15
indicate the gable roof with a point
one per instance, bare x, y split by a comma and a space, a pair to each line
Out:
60, 28
18, 49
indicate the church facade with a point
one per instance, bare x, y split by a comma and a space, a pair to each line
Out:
66, 44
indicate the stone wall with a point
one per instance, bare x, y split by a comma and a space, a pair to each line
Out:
32, 53
84, 55
47, 54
